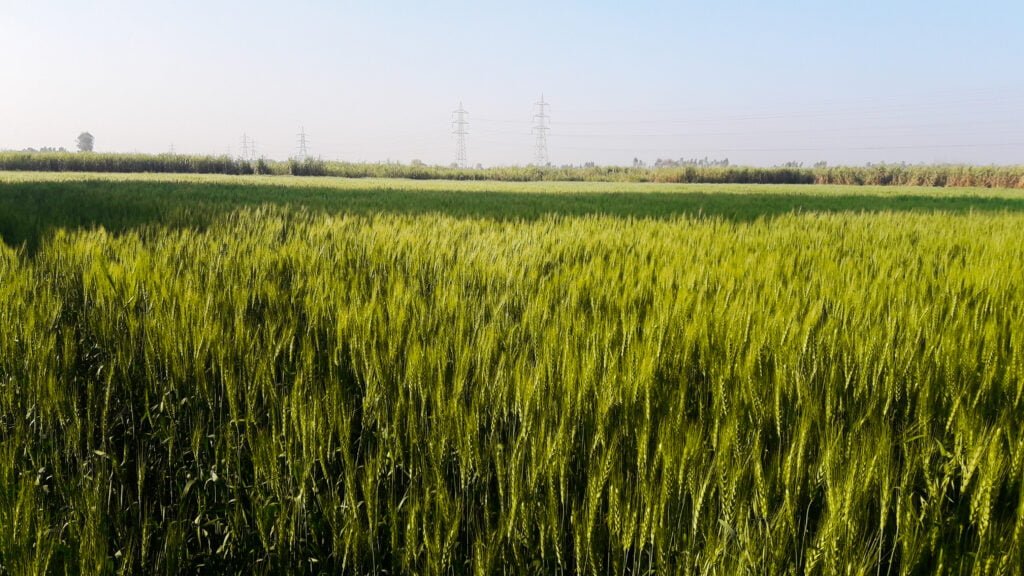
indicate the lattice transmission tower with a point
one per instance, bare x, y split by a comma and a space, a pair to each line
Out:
540, 132
303, 145
248, 148
459, 129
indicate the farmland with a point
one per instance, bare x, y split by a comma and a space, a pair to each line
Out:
283, 374
940, 175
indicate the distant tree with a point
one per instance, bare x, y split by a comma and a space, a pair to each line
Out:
417, 163
85, 142
821, 164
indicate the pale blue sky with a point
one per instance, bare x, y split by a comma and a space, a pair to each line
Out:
757, 82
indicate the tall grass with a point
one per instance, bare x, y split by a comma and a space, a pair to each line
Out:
287, 391
879, 175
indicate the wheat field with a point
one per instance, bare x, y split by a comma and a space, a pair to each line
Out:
288, 389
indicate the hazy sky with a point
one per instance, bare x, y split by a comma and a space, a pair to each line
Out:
757, 82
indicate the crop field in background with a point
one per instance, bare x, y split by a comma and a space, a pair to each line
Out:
264, 375
939, 175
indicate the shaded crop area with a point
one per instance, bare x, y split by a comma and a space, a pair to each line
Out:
31, 208
307, 380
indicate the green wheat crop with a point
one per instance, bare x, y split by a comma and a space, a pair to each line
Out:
284, 389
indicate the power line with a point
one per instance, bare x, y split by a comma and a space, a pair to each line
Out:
865, 109
459, 125
728, 150
540, 131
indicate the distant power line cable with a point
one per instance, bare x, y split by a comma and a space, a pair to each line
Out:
813, 148
1012, 101
939, 119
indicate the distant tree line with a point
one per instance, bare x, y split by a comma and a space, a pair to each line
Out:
44, 149
699, 162
85, 143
